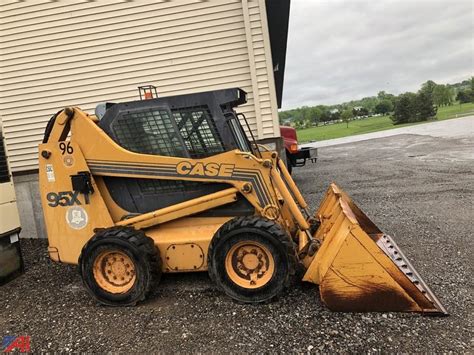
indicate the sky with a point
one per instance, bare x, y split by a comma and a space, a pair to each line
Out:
344, 50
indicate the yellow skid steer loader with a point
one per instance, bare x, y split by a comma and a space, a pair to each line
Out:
174, 184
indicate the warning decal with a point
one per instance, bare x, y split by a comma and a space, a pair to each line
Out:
50, 173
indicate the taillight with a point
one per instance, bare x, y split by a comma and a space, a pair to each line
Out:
293, 148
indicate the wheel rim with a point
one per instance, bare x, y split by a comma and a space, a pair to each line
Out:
114, 271
249, 264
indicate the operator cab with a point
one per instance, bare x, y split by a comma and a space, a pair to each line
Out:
192, 126
189, 126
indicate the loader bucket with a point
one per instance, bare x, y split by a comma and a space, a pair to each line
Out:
359, 268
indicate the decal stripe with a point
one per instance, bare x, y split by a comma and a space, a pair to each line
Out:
263, 186
108, 162
105, 168
130, 167
258, 185
167, 173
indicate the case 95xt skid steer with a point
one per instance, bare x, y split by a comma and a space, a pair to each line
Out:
174, 184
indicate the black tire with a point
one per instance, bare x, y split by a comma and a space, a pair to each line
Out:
289, 164
264, 232
140, 250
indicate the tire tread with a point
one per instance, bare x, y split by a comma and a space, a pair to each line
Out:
260, 223
141, 241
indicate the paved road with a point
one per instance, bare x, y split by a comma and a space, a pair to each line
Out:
454, 128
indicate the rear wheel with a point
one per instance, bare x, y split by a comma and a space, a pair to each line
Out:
251, 259
119, 266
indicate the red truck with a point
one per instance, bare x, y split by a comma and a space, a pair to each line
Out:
296, 156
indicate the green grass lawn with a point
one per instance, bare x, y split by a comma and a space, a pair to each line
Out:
448, 112
374, 124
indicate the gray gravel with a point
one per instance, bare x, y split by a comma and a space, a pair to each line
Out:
418, 189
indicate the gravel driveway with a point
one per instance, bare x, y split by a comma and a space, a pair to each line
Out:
419, 189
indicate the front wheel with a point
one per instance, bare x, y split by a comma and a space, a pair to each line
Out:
251, 259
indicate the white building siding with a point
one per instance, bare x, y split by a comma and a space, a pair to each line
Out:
63, 53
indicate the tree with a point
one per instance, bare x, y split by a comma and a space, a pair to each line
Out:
298, 123
382, 95
368, 103
424, 107
315, 114
428, 87
360, 111
464, 96
284, 117
442, 95
466, 92
383, 107
335, 114
325, 116
346, 116
411, 107
304, 112
403, 108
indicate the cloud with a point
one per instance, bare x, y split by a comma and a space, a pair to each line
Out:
343, 50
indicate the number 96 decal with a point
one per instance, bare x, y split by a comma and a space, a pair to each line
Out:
66, 148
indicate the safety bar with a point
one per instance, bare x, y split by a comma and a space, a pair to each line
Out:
182, 209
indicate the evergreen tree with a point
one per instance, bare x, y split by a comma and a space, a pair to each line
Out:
424, 107
403, 108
